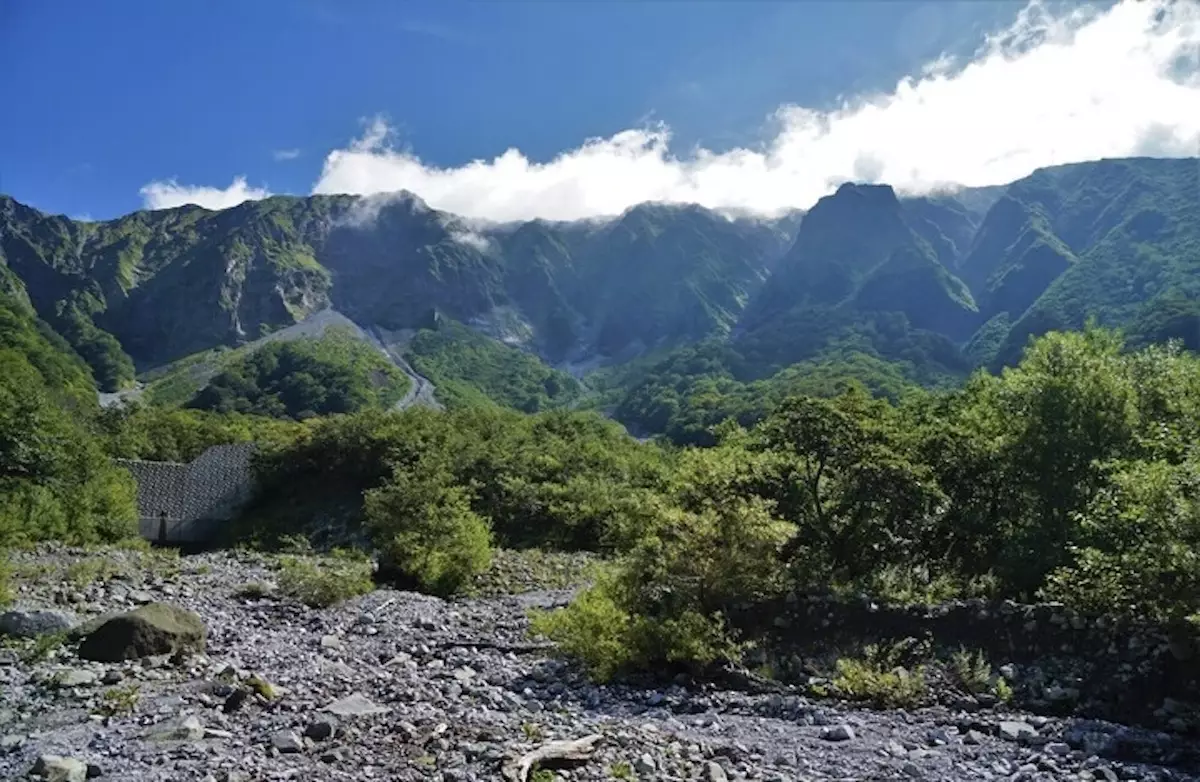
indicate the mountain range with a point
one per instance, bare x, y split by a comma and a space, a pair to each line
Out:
938, 284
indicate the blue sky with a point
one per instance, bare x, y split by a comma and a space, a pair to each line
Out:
106, 99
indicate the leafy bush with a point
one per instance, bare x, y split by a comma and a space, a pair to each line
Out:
593, 629
877, 680
425, 529
55, 482
6, 587
320, 583
1139, 547
972, 671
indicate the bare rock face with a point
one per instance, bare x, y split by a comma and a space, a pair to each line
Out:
153, 629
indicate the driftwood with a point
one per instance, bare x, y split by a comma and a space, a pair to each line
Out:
551, 755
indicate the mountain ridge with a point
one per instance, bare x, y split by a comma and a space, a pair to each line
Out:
939, 283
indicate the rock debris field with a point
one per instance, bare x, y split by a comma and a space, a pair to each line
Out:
400, 686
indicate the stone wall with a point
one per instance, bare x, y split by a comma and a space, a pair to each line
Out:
194, 498
1059, 660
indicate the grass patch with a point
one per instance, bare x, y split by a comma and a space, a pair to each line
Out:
254, 590
91, 570
43, 646
323, 582
119, 700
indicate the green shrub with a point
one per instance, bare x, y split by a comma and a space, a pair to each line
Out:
425, 529
972, 671
6, 579
593, 629
1139, 548
320, 583
876, 680
599, 630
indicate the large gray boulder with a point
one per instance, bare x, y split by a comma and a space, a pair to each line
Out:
154, 629
32, 622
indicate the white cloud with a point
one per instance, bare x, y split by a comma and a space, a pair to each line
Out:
1088, 84
472, 239
1092, 83
169, 194
286, 154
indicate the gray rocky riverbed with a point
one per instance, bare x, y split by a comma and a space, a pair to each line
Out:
400, 686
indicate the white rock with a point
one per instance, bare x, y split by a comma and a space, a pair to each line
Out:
355, 705
838, 733
287, 741
54, 768
1017, 731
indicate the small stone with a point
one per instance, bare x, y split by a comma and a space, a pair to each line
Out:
973, 737
287, 741
76, 678
11, 742
714, 773
1016, 731
838, 733
112, 677
186, 729
321, 729
1058, 748
355, 705
94, 771
331, 642
236, 700
645, 764
54, 768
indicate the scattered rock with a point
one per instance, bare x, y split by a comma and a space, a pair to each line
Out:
55, 768
32, 622
355, 705
185, 729
645, 764
287, 741
1016, 731
153, 629
714, 773
838, 733
321, 729
76, 678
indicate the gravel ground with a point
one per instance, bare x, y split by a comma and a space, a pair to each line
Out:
459, 688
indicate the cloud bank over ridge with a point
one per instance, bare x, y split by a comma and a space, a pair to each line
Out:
1082, 85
